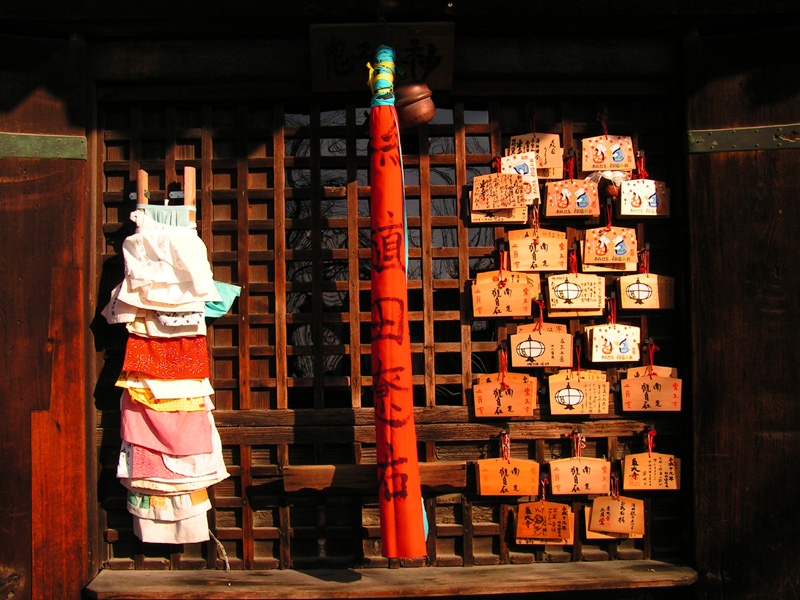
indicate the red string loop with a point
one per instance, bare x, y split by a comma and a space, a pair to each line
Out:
503, 368
640, 172
651, 434
572, 258
612, 310
651, 350
644, 262
505, 445
544, 481
569, 166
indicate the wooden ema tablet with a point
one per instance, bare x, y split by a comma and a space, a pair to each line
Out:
512, 477
617, 515
580, 476
513, 395
543, 520
651, 471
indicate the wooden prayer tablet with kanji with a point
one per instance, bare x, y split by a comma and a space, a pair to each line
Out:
572, 198
618, 515
544, 520
541, 349
507, 477
646, 291
542, 250
583, 475
608, 153
651, 394
650, 471
643, 198
505, 395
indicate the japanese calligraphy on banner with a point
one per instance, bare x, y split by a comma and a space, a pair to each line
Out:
578, 396
580, 476
643, 198
651, 394
531, 279
546, 147
545, 252
497, 191
614, 342
507, 477
339, 52
576, 291
541, 349
544, 520
610, 245
650, 472
647, 291
608, 153
572, 197
617, 515
525, 165
506, 395
597, 535
499, 299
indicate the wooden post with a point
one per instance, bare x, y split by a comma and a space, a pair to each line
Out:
142, 185
190, 191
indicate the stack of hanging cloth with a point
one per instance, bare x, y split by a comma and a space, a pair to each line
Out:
171, 450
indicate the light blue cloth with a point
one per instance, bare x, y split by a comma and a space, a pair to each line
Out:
229, 293
383, 89
176, 215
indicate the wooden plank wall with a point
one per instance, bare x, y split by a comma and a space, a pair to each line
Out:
743, 216
283, 209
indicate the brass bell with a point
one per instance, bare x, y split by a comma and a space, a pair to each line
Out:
413, 104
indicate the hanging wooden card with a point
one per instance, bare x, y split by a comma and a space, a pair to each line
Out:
541, 349
502, 300
497, 191
651, 394
546, 147
525, 165
571, 198
573, 374
608, 153
610, 245
614, 342
547, 252
543, 520
512, 477
513, 395
545, 327
531, 279
575, 313
643, 198
597, 535
576, 291
578, 396
567, 540
647, 291
512, 216
650, 472
609, 267
550, 173
647, 370
580, 476
617, 515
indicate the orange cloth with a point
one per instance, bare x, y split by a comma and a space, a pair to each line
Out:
402, 527
167, 358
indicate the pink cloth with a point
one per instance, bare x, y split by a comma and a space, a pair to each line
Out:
175, 433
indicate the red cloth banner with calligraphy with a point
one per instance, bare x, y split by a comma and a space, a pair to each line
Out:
402, 527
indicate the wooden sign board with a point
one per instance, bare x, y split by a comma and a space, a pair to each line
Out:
506, 300
580, 476
650, 472
497, 191
608, 153
597, 535
610, 245
513, 395
541, 349
525, 165
576, 291
609, 267
572, 198
544, 520
567, 540
512, 477
646, 291
614, 342
546, 147
340, 52
547, 252
573, 374
578, 397
643, 198
617, 515
651, 394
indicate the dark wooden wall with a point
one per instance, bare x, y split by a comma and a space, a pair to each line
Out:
745, 263
43, 553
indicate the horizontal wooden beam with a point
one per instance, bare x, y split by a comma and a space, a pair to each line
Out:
439, 476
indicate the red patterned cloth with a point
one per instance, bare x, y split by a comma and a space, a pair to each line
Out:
168, 358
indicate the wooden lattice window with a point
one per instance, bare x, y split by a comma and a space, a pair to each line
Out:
283, 207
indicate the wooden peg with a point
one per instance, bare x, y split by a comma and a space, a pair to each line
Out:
142, 187
190, 190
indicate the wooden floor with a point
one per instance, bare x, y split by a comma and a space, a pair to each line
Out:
388, 583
